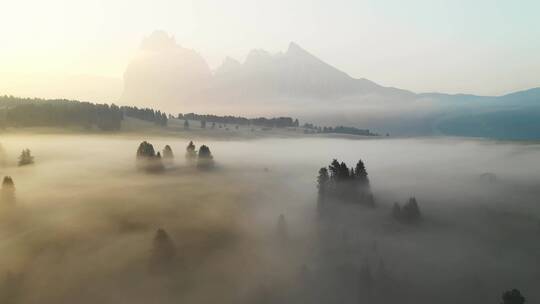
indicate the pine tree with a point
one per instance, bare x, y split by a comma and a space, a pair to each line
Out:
147, 159
411, 210
191, 153
334, 169
26, 158
361, 173
513, 297
8, 189
163, 252
322, 181
205, 159
145, 150
168, 153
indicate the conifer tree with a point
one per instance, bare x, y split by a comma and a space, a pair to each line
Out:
26, 158
191, 153
8, 189
147, 158
322, 181
163, 252
361, 173
205, 159
513, 297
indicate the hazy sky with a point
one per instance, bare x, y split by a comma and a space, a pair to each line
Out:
474, 46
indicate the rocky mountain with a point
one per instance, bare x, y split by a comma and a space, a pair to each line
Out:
295, 82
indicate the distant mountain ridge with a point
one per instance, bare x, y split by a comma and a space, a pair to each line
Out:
295, 82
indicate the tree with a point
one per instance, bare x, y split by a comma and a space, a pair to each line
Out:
410, 212
361, 174
205, 159
186, 124
191, 153
168, 153
163, 252
322, 181
26, 158
8, 189
145, 150
147, 159
512, 297
334, 169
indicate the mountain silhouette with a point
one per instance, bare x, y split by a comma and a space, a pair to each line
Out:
295, 82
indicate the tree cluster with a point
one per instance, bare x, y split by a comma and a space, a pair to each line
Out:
203, 157
338, 182
311, 128
148, 159
21, 112
276, 122
409, 212
512, 297
146, 114
26, 158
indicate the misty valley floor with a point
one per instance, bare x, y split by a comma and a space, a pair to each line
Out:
83, 223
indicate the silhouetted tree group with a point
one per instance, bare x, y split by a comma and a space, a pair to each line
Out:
147, 114
409, 212
310, 128
25, 112
148, 159
26, 158
277, 122
512, 297
204, 158
338, 182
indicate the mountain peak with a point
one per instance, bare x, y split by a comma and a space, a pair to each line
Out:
294, 48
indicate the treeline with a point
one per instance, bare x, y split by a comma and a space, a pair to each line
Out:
275, 122
36, 112
311, 128
26, 112
147, 114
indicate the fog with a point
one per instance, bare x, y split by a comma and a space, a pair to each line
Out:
82, 223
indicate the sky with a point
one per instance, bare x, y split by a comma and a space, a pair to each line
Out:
476, 46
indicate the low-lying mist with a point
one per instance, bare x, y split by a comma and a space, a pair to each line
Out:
82, 224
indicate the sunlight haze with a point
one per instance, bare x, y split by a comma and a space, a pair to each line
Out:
446, 46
